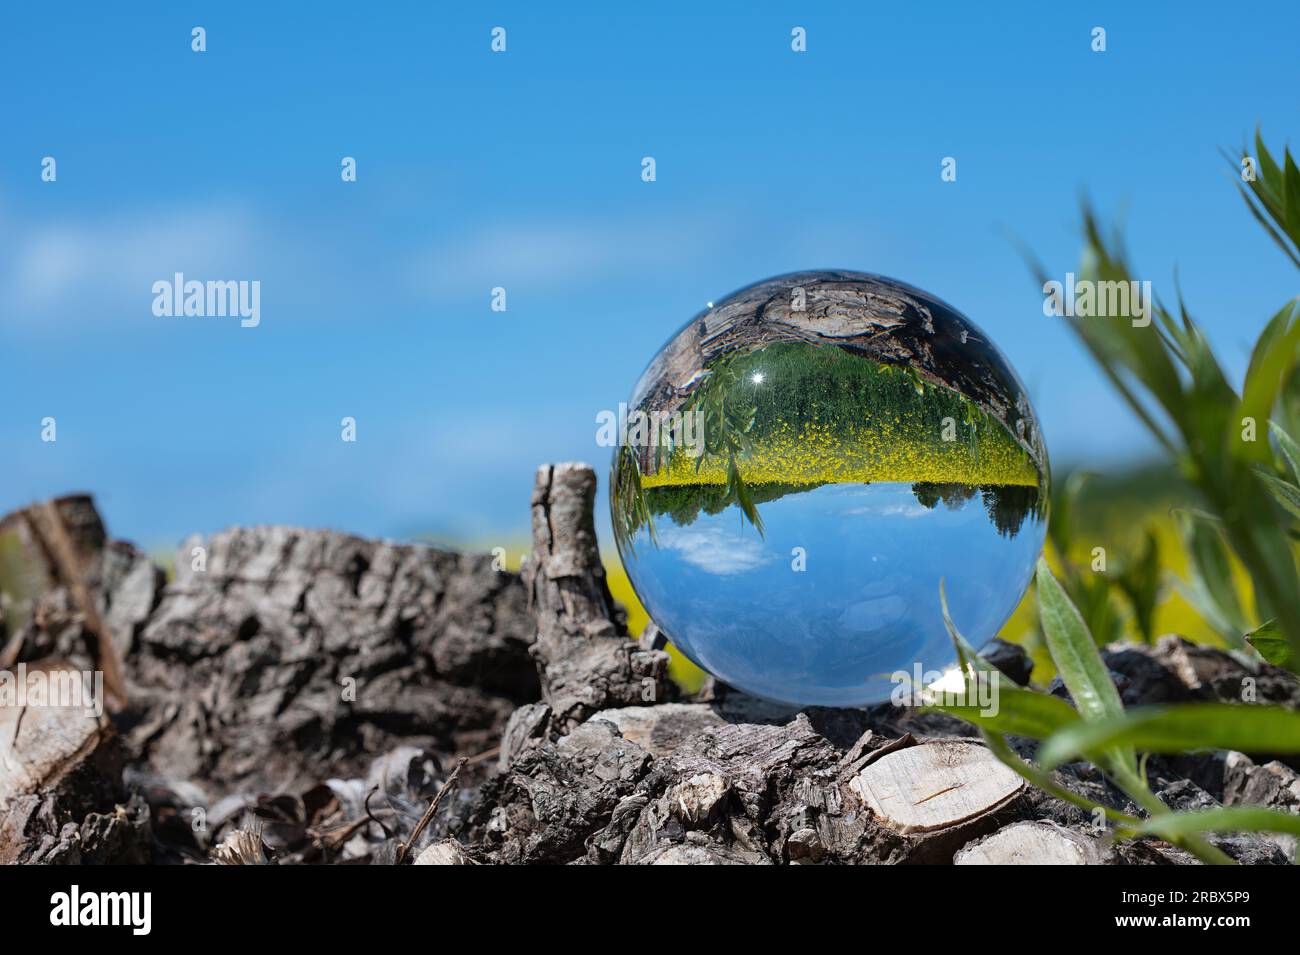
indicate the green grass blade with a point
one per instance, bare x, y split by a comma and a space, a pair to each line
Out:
967, 655
1222, 819
1018, 711
1043, 780
1261, 212
1291, 196
1273, 358
1284, 492
1014, 710
1178, 729
1290, 450
1073, 650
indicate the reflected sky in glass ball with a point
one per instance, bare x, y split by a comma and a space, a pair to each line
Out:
807, 460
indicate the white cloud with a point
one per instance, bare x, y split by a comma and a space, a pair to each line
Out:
78, 269
888, 510
68, 270
715, 550
559, 252
880, 500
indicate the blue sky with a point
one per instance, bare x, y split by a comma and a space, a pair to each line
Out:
522, 170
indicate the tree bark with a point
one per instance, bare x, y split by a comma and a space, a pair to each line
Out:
63, 540
585, 658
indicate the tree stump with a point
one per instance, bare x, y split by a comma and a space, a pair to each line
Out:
585, 658
61, 543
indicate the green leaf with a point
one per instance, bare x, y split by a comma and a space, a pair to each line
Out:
1178, 729
1045, 781
1014, 710
1222, 819
1290, 450
967, 656
1073, 650
1272, 198
1019, 711
1116, 342
1269, 173
740, 494
1272, 645
1272, 359
1284, 492
1080, 665
1291, 196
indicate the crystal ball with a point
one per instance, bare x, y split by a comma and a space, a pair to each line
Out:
799, 468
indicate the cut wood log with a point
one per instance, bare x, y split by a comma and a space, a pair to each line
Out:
444, 852
61, 794
935, 785
40, 745
584, 656
1031, 843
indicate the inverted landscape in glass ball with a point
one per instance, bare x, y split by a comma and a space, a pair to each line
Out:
804, 462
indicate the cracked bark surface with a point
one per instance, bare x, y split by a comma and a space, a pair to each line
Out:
699, 783
283, 659
297, 654
584, 657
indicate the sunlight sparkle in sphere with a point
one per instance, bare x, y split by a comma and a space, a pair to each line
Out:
818, 452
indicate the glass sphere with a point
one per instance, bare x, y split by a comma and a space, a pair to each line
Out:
803, 463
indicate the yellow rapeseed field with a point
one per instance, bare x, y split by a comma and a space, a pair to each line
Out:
902, 449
